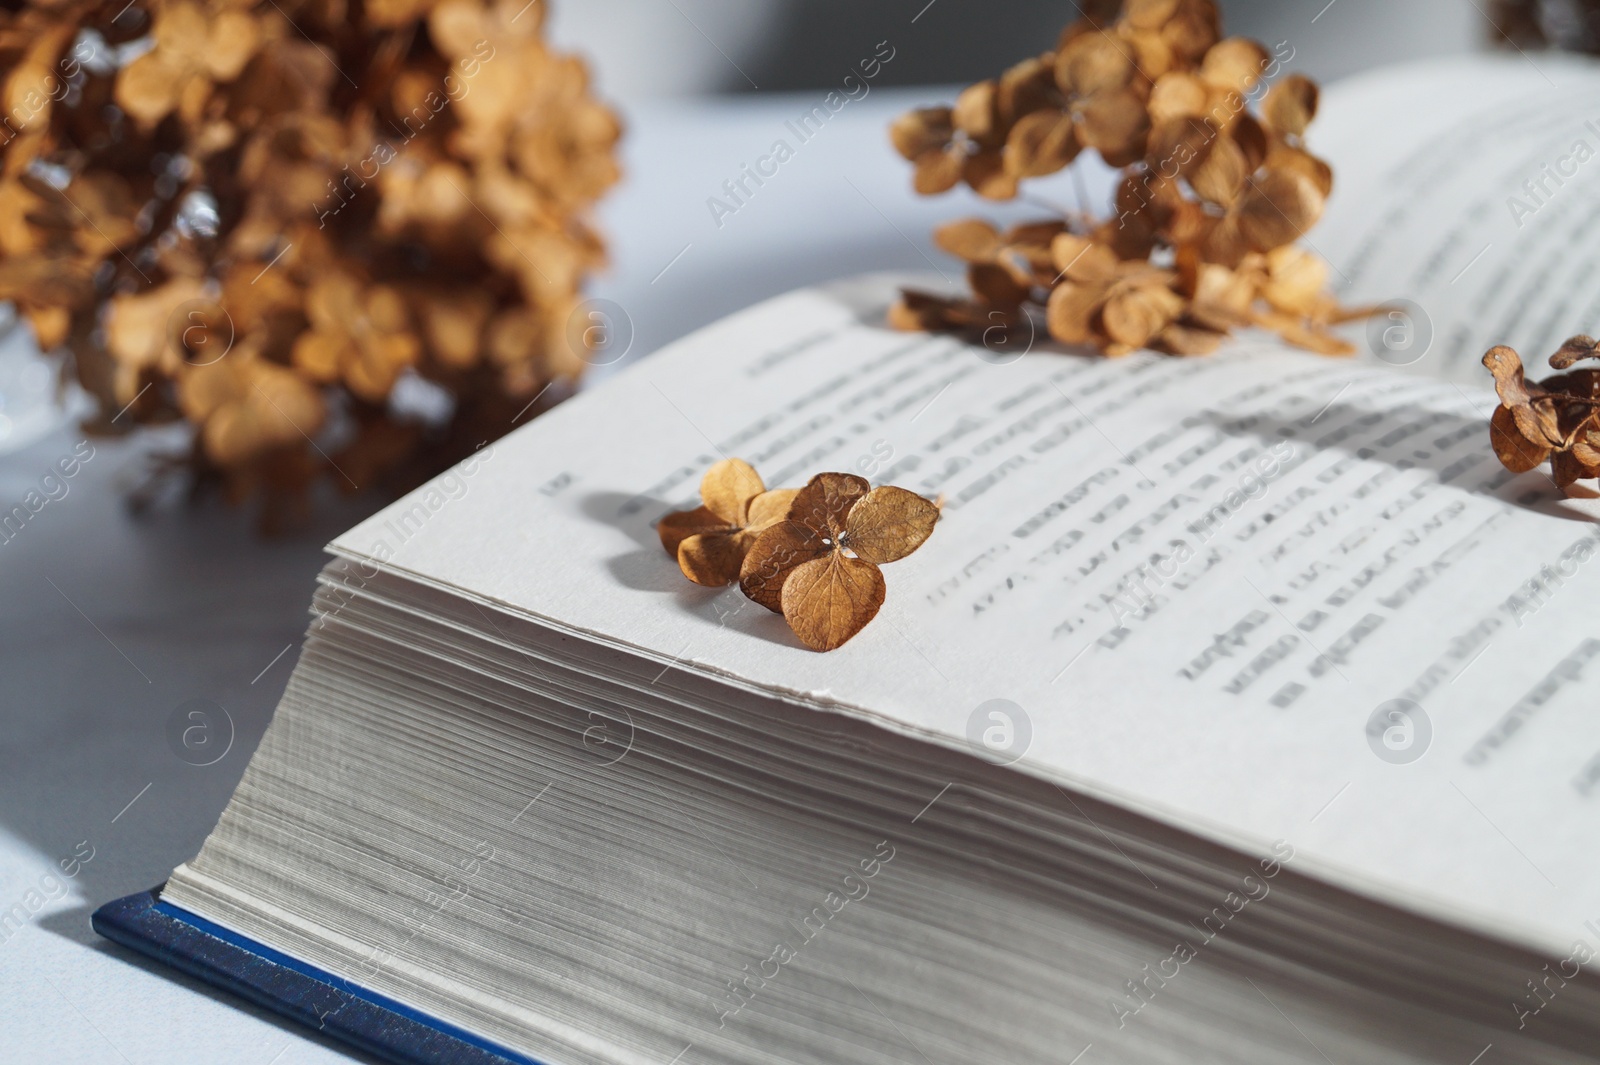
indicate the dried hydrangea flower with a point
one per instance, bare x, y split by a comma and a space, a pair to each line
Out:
711, 541
193, 47
1556, 419
926, 138
1103, 91
1213, 179
819, 567
369, 193
1118, 306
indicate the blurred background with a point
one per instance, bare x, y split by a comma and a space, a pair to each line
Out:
678, 48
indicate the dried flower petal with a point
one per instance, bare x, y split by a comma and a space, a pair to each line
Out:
1234, 65
1515, 451
1278, 209
710, 542
924, 130
888, 524
1041, 143
1575, 349
824, 503
939, 170
775, 554
1539, 425
969, 239
828, 600
713, 559
1290, 105
675, 528
728, 487
974, 113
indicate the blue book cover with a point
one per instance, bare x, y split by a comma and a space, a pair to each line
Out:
337, 1008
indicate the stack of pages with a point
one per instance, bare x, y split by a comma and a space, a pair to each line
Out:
1238, 709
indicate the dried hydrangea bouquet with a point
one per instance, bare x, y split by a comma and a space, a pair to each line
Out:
340, 199
1216, 187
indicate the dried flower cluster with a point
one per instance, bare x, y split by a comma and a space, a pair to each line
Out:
1216, 187
1571, 25
1556, 419
811, 554
261, 215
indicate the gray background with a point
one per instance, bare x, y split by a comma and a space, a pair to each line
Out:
686, 47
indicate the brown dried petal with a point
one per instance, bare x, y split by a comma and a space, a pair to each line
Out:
1094, 63
148, 88
917, 132
1296, 280
1149, 14
1175, 148
986, 173
1032, 234
714, 559
995, 285
823, 504
1115, 124
1281, 156
1152, 53
769, 508
1178, 94
1505, 365
1070, 310
453, 322
675, 528
1180, 339
1515, 451
1083, 260
1566, 470
1028, 264
232, 40
1277, 209
1290, 105
1041, 143
1221, 177
974, 113
828, 600
774, 555
728, 487
1251, 137
1234, 65
1192, 29
1299, 332
921, 311
319, 355
1581, 383
938, 170
1134, 318
971, 239
889, 523
1574, 349
1025, 88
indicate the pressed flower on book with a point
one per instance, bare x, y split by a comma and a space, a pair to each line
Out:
1556, 419
811, 554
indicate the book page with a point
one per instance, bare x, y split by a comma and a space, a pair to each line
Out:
1466, 195
1263, 596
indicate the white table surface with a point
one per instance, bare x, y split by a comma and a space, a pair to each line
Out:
108, 622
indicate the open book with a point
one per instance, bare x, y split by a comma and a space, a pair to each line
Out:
1239, 708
